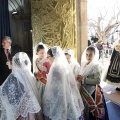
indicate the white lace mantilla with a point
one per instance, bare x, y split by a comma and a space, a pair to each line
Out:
62, 100
17, 99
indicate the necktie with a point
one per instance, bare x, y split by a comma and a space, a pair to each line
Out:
8, 55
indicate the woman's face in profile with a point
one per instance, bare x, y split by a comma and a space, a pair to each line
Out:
50, 59
89, 55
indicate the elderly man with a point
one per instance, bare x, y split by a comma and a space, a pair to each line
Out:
6, 54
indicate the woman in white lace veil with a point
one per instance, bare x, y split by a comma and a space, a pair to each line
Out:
41, 66
36, 56
90, 77
61, 99
69, 53
18, 93
86, 70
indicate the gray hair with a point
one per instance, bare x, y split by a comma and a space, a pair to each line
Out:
8, 39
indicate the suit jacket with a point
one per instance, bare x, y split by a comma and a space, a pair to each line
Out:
4, 70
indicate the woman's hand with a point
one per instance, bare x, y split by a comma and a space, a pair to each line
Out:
79, 78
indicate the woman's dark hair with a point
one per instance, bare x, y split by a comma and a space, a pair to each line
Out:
66, 54
91, 49
40, 47
50, 52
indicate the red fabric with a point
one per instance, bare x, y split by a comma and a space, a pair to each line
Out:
9, 55
47, 65
40, 77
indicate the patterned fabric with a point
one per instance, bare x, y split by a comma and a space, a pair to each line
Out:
17, 98
32, 116
42, 70
14, 90
2, 111
113, 74
40, 77
18, 93
61, 99
96, 107
43, 66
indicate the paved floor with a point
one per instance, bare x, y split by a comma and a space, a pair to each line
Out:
113, 110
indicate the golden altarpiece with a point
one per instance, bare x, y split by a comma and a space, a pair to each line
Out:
60, 22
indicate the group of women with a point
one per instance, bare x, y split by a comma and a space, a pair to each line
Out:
59, 89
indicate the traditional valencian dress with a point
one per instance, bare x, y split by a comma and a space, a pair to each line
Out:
73, 63
19, 98
41, 68
95, 106
113, 74
61, 99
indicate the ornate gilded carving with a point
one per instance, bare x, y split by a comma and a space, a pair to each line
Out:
53, 22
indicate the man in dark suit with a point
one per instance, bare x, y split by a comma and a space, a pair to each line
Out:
6, 54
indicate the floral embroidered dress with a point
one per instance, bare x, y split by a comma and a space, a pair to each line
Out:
42, 66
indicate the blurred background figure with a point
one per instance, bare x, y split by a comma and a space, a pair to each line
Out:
99, 47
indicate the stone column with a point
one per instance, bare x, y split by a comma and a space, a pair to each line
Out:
82, 27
